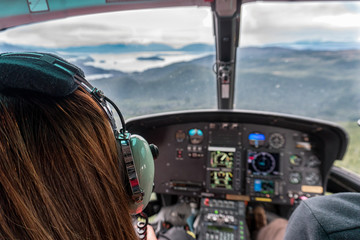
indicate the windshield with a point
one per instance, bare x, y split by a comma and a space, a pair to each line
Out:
294, 58
147, 61
300, 62
302, 59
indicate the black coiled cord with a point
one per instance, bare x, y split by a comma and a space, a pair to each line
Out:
141, 225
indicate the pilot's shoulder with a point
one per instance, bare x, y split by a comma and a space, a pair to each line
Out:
327, 217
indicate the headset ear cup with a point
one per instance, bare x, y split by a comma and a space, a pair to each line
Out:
145, 169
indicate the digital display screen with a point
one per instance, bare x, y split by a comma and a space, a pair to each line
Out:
264, 186
221, 179
221, 167
221, 159
220, 228
263, 163
256, 139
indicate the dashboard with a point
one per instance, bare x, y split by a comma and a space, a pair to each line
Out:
241, 155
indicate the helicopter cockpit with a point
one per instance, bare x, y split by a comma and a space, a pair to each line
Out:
239, 121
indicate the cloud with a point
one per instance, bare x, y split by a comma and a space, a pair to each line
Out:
264, 23
261, 23
176, 26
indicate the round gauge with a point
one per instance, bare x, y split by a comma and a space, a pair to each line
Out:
196, 136
295, 160
276, 140
264, 162
295, 177
180, 135
312, 178
313, 161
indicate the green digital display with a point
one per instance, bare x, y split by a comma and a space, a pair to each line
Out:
221, 179
220, 229
221, 159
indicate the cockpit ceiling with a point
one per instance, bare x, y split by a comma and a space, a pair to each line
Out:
19, 12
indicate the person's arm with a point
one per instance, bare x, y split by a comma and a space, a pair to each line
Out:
334, 216
150, 233
303, 225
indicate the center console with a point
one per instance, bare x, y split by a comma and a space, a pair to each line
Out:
222, 219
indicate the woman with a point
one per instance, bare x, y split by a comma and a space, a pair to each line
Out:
59, 169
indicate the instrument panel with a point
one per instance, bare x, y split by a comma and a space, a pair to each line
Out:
241, 155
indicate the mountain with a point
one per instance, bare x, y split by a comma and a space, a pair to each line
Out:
198, 48
319, 84
119, 48
314, 83
5, 47
111, 48
317, 45
152, 58
105, 48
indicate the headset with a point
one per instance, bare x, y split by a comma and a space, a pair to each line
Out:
49, 74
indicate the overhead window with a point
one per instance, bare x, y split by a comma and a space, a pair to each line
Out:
38, 6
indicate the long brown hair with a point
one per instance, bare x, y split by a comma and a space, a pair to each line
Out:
59, 170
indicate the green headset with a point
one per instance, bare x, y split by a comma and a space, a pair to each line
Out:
54, 76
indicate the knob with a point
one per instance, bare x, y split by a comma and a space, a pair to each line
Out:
154, 151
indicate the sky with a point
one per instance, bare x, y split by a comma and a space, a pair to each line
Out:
261, 23
291, 22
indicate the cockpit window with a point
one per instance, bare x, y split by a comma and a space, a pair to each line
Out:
294, 58
147, 61
302, 59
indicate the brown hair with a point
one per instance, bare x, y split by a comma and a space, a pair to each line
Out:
59, 170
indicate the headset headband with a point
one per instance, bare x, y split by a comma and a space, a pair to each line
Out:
54, 76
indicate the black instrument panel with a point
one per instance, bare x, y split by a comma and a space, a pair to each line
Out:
241, 155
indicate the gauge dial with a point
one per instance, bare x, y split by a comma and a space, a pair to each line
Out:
312, 178
276, 140
180, 135
264, 162
295, 177
295, 160
196, 136
313, 161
